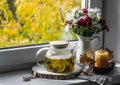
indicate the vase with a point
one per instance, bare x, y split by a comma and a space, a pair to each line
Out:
85, 47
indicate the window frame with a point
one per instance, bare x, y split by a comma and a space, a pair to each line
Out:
22, 57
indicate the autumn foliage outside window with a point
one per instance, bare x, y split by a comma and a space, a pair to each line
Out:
24, 22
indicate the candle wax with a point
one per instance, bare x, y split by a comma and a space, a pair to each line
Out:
101, 58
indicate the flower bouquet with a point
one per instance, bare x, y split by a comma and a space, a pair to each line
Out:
85, 22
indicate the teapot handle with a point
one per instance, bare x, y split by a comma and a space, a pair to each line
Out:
99, 40
38, 52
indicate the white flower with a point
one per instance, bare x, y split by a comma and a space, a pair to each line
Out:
75, 13
67, 28
74, 10
96, 10
99, 15
69, 16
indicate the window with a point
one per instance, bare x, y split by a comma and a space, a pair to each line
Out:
24, 57
24, 22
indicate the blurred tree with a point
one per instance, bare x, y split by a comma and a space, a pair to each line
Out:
24, 22
12, 8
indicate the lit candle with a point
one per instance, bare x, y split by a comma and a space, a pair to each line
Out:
101, 58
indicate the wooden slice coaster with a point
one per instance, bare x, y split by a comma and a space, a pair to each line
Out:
41, 72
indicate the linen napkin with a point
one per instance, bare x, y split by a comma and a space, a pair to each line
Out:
97, 78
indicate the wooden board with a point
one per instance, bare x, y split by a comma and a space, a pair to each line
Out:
41, 72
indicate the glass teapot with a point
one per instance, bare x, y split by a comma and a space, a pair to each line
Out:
58, 58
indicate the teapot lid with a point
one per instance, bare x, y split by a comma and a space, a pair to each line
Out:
59, 44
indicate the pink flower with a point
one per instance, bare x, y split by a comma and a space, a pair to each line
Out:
104, 27
88, 20
68, 22
81, 22
84, 10
102, 22
88, 23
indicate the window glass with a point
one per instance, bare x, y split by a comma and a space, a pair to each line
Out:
24, 22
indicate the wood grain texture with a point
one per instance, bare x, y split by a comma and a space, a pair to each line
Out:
41, 72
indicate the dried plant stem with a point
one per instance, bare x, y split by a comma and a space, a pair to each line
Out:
61, 14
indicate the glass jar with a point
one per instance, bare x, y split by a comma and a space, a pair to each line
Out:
58, 58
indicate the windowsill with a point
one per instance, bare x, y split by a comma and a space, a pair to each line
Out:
15, 78
22, 57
